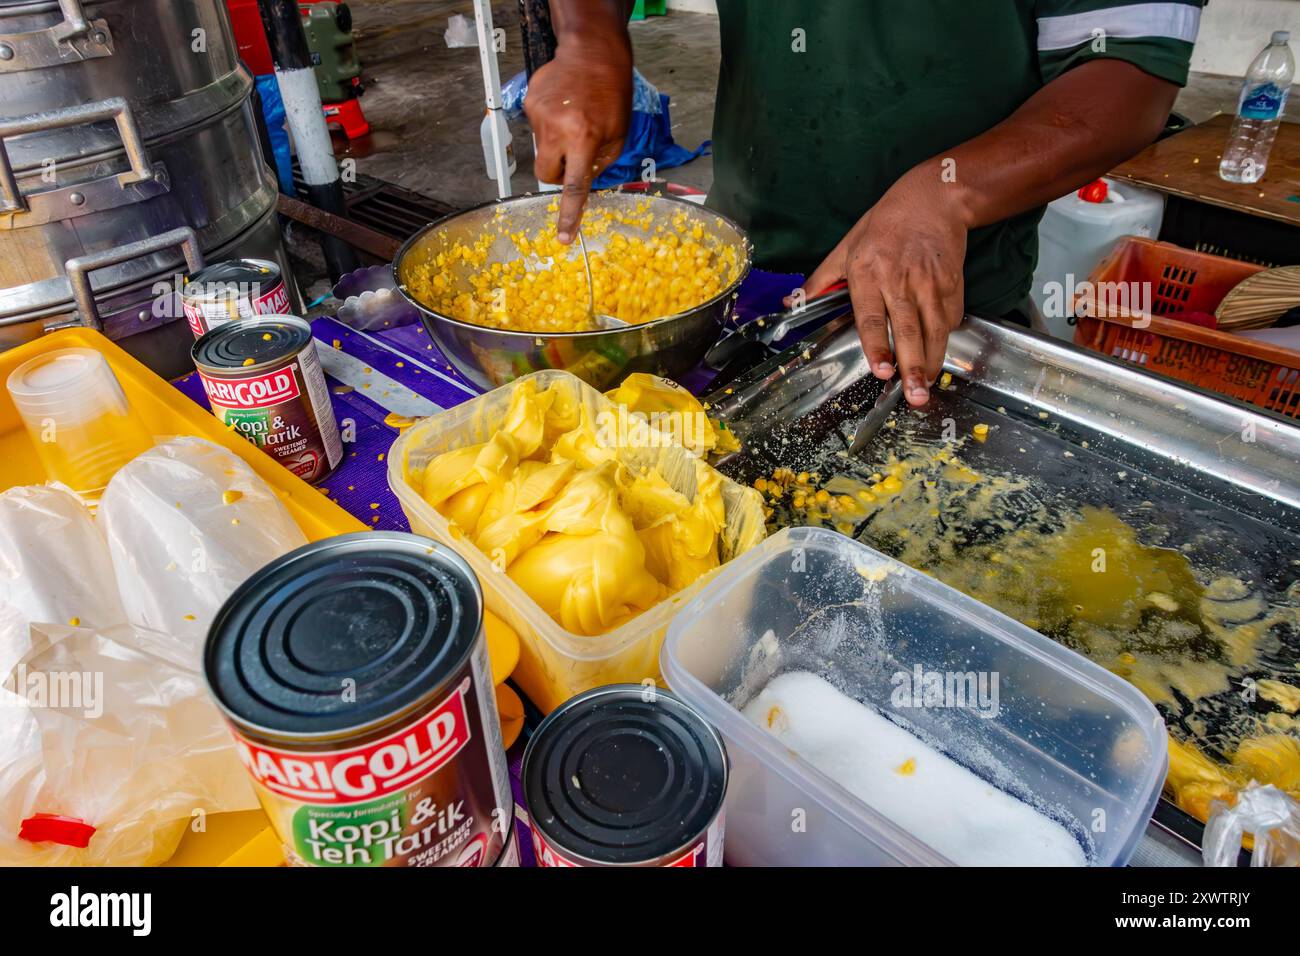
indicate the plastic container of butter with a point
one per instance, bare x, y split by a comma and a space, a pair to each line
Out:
556, 664
1078, 744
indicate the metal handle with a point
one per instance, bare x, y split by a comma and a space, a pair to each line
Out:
74, 22
115, 109
79, 269
57, 45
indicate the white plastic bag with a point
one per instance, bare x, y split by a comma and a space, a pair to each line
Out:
114, 728
1268, 814
460, 31
54, 568
187, 522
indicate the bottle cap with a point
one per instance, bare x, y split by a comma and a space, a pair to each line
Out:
1096, 191
1282, 36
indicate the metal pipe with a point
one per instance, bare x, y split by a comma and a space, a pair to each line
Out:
538, 34
297, 79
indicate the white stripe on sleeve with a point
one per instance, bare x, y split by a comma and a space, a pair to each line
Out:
1174, 21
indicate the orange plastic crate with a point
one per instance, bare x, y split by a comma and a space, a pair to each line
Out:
1181, 280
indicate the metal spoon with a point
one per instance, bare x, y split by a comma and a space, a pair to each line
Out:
599, 319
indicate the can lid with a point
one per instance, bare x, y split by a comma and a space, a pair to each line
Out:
620, 776
262, 338
232, 277
343, 635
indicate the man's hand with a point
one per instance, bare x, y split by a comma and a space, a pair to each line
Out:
579, 105
903, 262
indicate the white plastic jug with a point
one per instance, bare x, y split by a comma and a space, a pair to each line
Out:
1077, 232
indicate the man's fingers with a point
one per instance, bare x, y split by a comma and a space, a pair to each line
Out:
578, 174
548, 160
872, 320
935, 325
909, 347
949, 310
828, 273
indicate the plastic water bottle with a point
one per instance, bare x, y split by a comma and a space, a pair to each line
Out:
1263, 100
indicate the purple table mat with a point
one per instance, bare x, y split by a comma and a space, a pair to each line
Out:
405, 354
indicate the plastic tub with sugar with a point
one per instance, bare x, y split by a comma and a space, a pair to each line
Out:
1072, 740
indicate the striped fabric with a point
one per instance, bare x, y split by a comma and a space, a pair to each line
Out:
1156, 37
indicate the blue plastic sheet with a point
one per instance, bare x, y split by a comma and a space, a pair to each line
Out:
273, 112
649, 134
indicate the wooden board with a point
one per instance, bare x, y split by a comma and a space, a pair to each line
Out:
1187, 164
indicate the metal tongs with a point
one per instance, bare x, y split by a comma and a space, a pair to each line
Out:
762, 332
879, 414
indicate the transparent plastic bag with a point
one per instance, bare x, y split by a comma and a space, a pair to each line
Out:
114, 728
186, 523
1268, 814
54, 567
460, 32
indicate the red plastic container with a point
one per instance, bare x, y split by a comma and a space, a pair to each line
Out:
1183, 281
250, 36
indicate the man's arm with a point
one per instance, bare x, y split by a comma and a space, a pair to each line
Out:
580, 102
904, 258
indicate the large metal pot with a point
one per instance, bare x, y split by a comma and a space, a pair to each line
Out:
171, 61
120, 122
209, 176
144, 315
489, 357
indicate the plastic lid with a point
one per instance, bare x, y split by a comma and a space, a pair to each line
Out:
230, 277
262, 338
611, 777
65, 386
1282, 36
395, 614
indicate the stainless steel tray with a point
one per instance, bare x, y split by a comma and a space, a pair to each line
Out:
1216, 479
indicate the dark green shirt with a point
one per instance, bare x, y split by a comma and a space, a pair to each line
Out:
824, 104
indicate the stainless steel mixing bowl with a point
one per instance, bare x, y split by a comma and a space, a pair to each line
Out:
489, 357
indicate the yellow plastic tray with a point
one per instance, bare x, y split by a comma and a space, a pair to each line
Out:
165, 412
240, 838
231, 839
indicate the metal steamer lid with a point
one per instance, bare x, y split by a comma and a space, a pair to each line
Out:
343, 636
262, 338
228, 277
617, 776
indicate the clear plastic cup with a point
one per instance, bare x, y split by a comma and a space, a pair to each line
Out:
77, 416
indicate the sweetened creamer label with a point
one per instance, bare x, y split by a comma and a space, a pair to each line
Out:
422, 796
224, 302
286, 412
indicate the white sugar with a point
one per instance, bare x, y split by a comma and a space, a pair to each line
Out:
923, 792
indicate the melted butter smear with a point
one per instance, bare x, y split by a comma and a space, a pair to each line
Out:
549, 500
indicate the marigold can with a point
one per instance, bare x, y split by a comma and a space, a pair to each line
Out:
264, 380
626, 775
353, 673
234, 289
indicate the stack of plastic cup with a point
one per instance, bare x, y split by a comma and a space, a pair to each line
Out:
78, 418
